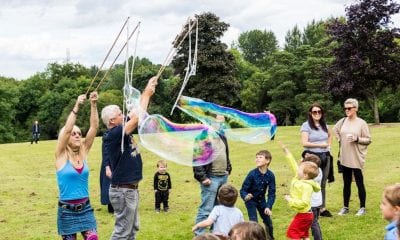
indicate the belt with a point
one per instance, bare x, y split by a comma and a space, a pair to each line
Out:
73, 207
130, 186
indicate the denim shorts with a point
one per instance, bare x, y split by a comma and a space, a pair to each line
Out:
70, 222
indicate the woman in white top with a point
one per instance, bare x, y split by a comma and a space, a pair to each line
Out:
316, 138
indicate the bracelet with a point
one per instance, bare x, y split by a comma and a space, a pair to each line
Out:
74, 112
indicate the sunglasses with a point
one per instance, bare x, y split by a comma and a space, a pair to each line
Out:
316, 112
76, 133
348, 108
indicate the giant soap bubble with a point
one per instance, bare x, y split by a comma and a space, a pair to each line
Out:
187, 144
252, 128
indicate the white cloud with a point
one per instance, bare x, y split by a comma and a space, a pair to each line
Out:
37, 32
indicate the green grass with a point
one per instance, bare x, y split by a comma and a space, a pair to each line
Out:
28, 190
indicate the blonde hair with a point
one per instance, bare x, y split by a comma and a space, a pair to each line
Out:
162, 162
392, 194
352, 101
310, 169
68, 148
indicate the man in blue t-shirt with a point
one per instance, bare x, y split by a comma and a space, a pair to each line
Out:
124, 166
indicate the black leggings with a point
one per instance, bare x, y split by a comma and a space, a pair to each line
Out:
347, 179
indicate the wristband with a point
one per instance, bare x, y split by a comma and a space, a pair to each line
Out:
74, 112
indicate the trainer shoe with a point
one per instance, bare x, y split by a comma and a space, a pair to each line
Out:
361, 212
343, 211
325, 213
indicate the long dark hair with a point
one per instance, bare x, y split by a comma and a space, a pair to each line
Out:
322, 121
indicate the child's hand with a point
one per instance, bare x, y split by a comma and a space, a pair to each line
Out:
283, 146
248, 197
194, 228
287, 197
268, 212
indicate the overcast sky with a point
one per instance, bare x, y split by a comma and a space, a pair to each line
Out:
34, 33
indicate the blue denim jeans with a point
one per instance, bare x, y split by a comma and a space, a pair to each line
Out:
259, 205
125, 202
209, 199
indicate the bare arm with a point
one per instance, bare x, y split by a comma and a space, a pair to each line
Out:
63, 136
289, 158
94, 122
205, 223
144, 102
329, 137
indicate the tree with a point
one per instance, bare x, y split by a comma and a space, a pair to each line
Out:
55, 72
282, 89
256, 45
214, 80
367, 58
293, 39
31, 90
8, 101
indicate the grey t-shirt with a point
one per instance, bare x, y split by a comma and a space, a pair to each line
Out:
224, 218
315, 136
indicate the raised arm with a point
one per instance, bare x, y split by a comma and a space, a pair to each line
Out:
94, 122
144, 102
289, 158
64, 135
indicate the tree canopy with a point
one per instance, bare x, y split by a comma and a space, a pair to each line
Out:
326, 62
366, 56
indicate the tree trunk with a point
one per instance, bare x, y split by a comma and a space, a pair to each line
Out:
376, 110
287, 118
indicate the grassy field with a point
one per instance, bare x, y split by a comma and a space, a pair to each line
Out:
28, 190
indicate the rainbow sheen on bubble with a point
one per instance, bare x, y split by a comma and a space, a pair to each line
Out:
253, 128
187, 144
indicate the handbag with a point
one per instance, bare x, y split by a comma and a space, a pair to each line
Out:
339, 167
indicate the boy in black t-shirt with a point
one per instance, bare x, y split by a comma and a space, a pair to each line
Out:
162, 186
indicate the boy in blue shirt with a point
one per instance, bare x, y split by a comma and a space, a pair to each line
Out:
254, 188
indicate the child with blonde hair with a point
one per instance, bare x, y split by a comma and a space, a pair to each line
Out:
301, 188
162, 186
390, 207
316, 197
